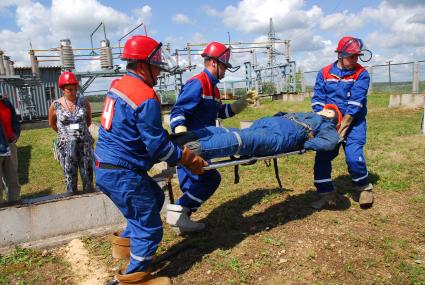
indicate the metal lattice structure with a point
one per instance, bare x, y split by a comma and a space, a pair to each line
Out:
26, 87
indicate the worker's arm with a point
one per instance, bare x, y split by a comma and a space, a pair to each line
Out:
229, 110
188, 99
318, 100
52, 118
326, 139
225, 111
153, 134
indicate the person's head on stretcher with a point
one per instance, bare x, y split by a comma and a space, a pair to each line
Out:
332, 112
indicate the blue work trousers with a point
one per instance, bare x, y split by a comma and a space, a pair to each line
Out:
140, 199
354, 157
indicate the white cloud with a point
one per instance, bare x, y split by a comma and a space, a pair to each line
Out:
9, 3
402, 26
210, 11
390, 29
291, 20
411, 3
341, 23
45, 26
254, 15
181, 19
144, 14
85, 15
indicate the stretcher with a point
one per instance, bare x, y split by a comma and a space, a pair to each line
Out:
251, 160
248, 160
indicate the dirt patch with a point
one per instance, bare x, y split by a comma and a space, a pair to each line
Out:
87, 271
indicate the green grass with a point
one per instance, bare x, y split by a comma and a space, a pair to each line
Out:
30, 266
252, 225
39, 173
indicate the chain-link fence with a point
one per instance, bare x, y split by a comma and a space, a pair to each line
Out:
406, 77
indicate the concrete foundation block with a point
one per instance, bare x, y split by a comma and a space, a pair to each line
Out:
419, 100
276, 97
285, 97
50, 218
406, 100
35, 125
167, 119
245, 124
57, 219
395, 100
161, 166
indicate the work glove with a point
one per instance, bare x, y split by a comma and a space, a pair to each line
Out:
180, 129
249, 98
345, 125
192, 161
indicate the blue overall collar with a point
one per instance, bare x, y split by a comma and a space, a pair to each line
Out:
212, 78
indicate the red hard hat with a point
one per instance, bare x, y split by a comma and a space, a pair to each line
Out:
67, 78
218, 51
337, 111
349, 46
139, 48
146, 49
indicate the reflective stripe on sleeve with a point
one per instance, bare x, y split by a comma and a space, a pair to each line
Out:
193, 197
177, 118
238, 138
170, 152
355, 103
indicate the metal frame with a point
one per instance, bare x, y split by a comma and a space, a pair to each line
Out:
248, 160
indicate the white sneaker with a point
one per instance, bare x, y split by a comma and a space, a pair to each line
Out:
178, 218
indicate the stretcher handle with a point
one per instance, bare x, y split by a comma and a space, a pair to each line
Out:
253, 159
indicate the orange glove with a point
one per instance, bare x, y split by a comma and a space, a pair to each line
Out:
192, 161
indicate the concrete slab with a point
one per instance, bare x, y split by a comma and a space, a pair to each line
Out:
419, 100
245, 124
53, 220
46, 219
296, 97
406, 99
395, 101
35, 125
166, 119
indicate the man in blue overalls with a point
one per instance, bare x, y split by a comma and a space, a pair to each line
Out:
281, 133
344, 83
131, 140
198, 106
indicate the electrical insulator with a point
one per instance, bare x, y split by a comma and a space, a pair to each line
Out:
105, 55
67, 55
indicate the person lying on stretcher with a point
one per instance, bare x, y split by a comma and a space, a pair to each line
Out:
284, 132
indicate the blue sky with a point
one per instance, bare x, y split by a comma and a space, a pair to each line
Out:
392, 29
